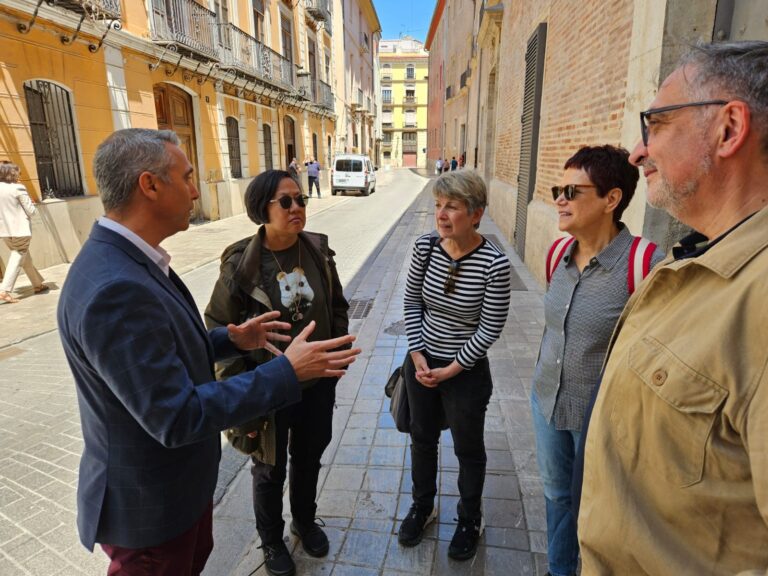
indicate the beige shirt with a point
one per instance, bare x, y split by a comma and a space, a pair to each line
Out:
16, 208
676, 461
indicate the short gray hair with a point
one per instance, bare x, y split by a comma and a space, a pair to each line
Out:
123, 156
733, 70
464, 185
9, 172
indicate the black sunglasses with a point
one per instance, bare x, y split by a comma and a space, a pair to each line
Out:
569, 191
286, 201
648, 113
450, 281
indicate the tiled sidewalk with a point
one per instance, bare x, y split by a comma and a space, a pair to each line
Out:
365, 481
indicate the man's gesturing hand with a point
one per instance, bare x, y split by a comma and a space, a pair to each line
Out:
256, 332
313, 359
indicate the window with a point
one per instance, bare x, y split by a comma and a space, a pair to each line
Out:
354, 139
386, 95
410, 117
386, 117
387, 155
314, 147
410, 72
233, 142
222, 18
286, 30
258, 20
52, 124
349, 165
327, 69
387, 138
267, 147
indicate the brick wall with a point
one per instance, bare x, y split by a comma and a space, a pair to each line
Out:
583, 97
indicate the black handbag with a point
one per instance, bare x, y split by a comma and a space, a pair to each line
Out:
398, 407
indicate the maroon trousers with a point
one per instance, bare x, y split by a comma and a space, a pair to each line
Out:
185, 555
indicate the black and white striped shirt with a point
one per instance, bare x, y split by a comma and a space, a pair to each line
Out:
461, 325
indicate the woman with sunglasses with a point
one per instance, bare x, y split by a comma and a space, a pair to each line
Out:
283, 268
456, 303
592, 276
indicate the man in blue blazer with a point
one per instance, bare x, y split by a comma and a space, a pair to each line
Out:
150, 407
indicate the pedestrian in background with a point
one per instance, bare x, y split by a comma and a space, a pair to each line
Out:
313, 176
454, 164
455, 309
283, 268
294, 169
588, 284
150, 407
676, 461
16, 210
439, 166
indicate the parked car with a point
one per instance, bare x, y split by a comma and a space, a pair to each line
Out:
353, 172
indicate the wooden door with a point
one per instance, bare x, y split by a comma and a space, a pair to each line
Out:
173, 108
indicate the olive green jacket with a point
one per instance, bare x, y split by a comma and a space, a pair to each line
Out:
239, 295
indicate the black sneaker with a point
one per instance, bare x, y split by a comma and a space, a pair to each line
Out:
277, 559
313, 539
465, 539
412, 529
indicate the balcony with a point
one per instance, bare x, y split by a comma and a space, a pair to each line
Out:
96, 9
316, 91
386, 100
386, 77
409, 100
365, 46
186, 25
318, 10
242, 52
409, 123
386, 144
409, 146
386, 125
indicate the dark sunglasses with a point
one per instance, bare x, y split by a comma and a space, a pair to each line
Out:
648, 113
450, 281
286, 201
569, 191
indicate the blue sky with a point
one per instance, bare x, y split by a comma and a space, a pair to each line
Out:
410, 17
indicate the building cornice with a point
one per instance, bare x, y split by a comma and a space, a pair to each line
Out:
437, 16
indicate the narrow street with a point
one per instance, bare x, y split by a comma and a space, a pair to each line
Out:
365, 482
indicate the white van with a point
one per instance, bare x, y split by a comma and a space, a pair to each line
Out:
353, 172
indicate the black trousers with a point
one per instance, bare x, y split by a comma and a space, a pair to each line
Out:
304, 431
464, 400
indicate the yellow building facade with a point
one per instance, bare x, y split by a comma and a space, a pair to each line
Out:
403, 69
244, 83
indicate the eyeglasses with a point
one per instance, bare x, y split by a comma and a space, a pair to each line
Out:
648, 113
569, 191
450, 281
286, 201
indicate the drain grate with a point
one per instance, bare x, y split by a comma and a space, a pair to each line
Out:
359, 309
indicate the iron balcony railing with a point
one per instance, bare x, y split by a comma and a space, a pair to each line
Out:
96, 9
316, 91
386, 143
409, 100
242, 52
318, 9
410, 146
386, 99
186, 24
325, 95
409, 123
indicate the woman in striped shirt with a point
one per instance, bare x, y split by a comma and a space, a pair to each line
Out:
456, 304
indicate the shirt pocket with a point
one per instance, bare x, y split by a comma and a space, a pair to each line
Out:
668, 427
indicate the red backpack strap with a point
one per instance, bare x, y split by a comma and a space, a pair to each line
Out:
555, 254
639, 261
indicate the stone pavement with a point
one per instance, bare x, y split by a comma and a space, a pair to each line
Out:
364, 485
364, 488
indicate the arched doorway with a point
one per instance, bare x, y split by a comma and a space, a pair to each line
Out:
173, 108
289, 131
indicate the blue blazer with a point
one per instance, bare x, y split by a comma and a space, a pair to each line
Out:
150, 407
